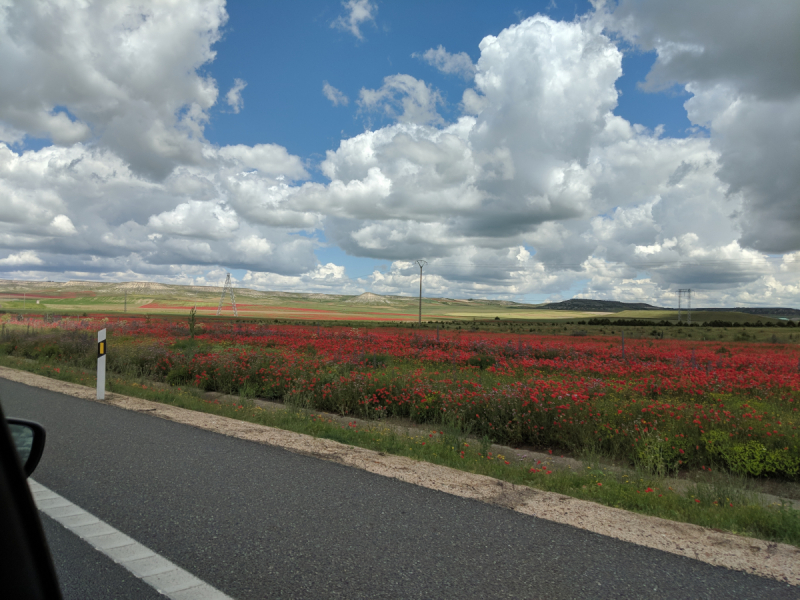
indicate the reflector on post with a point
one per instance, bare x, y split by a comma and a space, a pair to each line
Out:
101, 364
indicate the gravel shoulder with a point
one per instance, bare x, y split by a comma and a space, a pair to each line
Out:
766, 559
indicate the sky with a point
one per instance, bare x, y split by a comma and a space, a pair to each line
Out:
530, 151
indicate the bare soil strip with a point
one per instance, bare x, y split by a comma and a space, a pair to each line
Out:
767, 559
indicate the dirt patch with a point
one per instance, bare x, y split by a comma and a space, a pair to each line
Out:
767, 559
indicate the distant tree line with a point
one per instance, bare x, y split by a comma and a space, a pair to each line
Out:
664, 323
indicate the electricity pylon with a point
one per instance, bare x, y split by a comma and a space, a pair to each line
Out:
228, 286
688, 293
421, 264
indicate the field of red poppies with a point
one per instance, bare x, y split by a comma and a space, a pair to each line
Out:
662, 404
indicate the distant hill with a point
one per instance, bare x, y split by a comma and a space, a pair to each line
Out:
368, 298
697, 316
138, 287
588, 305
612, 306
70, 289
777, 312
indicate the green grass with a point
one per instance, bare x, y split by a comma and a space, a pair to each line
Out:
698, 316
723, 504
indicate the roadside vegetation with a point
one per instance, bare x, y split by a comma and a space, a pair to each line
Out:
661, 407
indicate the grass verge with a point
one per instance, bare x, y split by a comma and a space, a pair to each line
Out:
722, 505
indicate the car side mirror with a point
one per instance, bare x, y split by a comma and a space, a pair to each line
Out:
28, 439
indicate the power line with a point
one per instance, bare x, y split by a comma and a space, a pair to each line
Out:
636, 265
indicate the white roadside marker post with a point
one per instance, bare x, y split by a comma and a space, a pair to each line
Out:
101, 364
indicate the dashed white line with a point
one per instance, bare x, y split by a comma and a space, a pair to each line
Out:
153, 569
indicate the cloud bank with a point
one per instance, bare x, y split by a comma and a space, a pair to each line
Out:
537, 188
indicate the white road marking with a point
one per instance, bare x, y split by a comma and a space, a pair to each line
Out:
155, 570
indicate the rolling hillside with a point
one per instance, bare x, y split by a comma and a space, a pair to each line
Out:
142, 297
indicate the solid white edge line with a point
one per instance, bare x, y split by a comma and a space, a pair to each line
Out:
155, 570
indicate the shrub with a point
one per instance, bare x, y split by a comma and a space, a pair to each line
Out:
192, 322
377, 360
179, 375
752, 457
657, 456
481, 361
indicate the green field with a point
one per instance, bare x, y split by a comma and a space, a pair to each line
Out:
697, 316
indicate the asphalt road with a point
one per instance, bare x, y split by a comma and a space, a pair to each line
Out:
259, 522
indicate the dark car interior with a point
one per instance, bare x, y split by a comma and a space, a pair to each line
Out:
26, 570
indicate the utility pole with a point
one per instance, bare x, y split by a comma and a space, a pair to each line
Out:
421, 264
125, 309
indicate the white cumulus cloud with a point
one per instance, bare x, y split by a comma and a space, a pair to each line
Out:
120, 73
24, 258
537, 188
403, 98
336, 97
234, 95
358, 13
456, 64
740, 64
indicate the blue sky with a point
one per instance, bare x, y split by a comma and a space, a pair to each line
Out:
528, 150
285, 50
